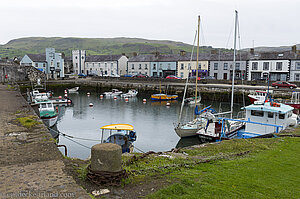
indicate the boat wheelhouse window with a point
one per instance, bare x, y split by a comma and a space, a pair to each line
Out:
43, 105
257, 113
270, 115
281, 116
49, 105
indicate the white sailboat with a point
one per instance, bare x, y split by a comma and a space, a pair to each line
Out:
207, 124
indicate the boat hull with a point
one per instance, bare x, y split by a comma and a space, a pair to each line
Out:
160, 97
50, 121
186, 132
296, 106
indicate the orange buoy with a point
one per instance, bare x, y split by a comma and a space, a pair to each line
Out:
66, 95
126, 99
69, 101
101, 96
66, 91
59, 97
168, 104
144, 100
91, 104
88, 93
115, 97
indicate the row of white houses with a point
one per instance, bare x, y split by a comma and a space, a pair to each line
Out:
249, 66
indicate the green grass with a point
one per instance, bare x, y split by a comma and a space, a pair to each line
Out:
28, 121
271, 172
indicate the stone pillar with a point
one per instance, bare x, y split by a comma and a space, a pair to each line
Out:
106, 157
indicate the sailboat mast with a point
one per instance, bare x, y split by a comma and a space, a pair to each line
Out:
234, 61
197, 62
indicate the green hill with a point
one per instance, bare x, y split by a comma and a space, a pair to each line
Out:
94, 46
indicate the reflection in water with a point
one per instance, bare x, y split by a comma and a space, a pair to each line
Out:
189, 141
153, 121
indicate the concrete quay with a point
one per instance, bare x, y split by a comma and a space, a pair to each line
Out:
31, 166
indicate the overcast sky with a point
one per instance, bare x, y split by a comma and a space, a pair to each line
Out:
262, 22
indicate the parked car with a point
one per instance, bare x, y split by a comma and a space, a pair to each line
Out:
140, 76
208, 77
194, 77
128, 75
284, 84
172, 77
92, 75
82, 75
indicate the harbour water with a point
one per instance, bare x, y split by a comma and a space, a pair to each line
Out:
153, 122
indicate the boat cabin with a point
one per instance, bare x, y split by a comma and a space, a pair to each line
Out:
271, 113
121, 134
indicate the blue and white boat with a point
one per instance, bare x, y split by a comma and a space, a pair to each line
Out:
264, 118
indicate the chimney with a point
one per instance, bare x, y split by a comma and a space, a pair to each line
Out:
134, 54
294, 49
182, 53
252, 51
123, 54
156, 53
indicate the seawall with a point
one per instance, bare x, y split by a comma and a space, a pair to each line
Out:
31, 166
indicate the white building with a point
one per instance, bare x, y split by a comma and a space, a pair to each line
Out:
276, 65
101, 65
51, 64
78, 57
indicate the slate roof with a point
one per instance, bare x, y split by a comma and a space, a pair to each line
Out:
37, 57
273, 56
101, 58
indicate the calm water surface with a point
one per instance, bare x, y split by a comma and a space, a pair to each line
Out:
153, 122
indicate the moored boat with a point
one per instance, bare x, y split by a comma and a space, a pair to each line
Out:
257, 96
72, 90
121, 134
163, 97
48, 113
114, 92
131, 93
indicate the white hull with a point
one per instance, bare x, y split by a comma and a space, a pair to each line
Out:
50, 122
186, 132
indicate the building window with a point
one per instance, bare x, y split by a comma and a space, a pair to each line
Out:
146, 66
154, 66
44, 65
181, 66
297, 77
132, 66
297, 64
181, 74
254, 66
75, 57
278, 65
237, 66
36, 64
140, 66
257, 113
199, 66
215, 66
266, 66
225, 66
111, 64
76, 65
82, 57
160, 66
190, 66
57, 64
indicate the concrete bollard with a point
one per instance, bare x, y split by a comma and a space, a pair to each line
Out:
106, 157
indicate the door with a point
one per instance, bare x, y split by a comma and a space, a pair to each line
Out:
225, 76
